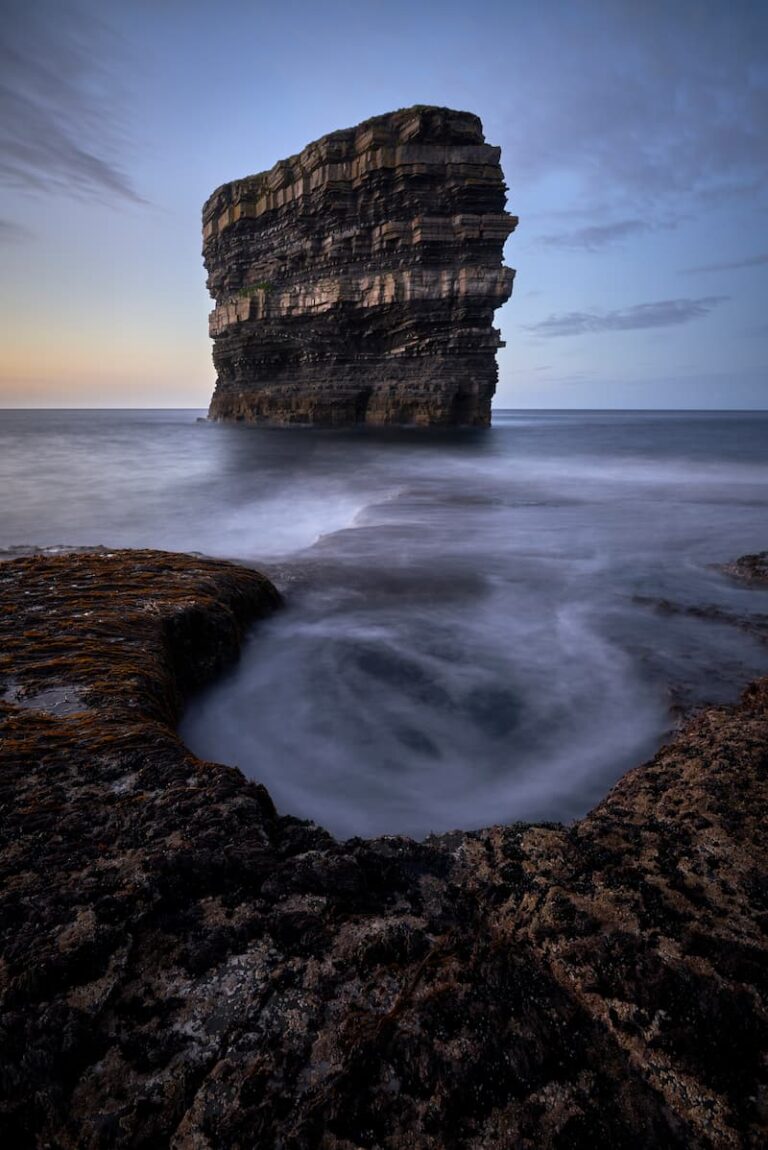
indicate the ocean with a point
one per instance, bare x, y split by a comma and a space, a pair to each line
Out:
479, 627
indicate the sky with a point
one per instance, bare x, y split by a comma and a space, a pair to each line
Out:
634, 143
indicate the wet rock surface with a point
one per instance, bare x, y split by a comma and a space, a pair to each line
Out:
749, 568
355, 283
183, 967
754, 623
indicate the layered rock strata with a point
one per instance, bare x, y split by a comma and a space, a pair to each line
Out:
183, 968
356, 282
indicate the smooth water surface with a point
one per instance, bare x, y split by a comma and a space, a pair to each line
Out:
470, 635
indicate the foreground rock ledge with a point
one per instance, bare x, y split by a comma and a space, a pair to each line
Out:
183, 968
356, 282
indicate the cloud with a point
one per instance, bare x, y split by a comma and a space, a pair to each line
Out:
590, 239
642, 103
11, 232
759, 329
59, 117
664, 313
732, 265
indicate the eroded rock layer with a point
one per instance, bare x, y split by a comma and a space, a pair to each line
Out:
356, 282
183, 969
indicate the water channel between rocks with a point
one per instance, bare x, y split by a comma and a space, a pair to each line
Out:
479, 627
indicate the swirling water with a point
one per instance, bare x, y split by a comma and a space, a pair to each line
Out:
470, 632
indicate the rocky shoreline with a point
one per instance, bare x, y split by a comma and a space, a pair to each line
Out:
183, 967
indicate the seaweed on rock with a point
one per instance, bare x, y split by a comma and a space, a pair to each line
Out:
183, 968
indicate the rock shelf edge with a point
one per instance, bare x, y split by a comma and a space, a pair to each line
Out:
183, 967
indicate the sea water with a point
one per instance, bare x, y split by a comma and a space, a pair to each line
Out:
479, 626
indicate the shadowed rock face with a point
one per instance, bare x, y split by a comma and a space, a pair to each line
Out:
356, 282
183, 969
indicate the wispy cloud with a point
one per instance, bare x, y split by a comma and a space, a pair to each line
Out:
759, 329
11, 232
663, 313
732, 265
674, 110
59, 121
593, 238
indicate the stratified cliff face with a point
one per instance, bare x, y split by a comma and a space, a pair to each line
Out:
357, 281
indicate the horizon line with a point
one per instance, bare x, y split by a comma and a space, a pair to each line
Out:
168, 407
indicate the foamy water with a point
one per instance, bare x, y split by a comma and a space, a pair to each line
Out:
462, 642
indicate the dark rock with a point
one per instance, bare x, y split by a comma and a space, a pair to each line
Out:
182, 968
749, 568
753, 623
356, 282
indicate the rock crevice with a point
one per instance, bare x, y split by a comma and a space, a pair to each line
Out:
356, 282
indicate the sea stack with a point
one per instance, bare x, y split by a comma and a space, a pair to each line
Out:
356, 282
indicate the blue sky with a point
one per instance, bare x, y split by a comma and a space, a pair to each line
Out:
634, 142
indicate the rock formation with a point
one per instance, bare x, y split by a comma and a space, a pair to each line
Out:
181, 968
749, 568
356, 282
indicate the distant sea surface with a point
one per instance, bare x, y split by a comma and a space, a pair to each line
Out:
473, 631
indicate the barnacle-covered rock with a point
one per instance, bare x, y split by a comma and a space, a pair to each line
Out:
182, 968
